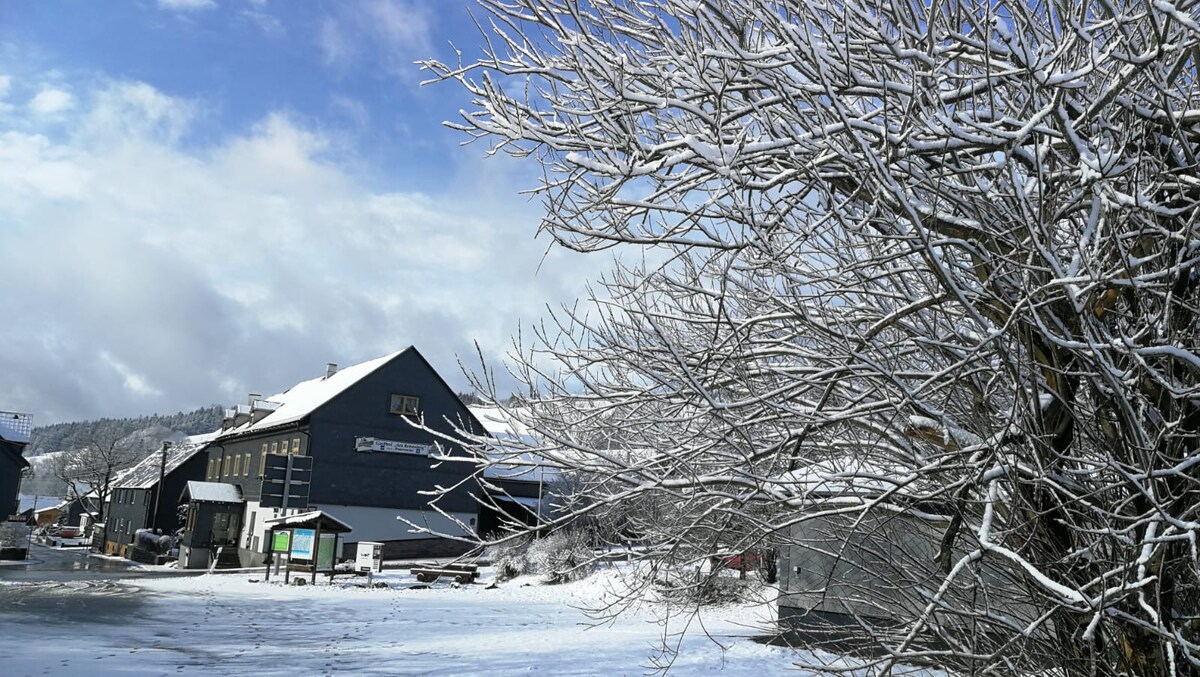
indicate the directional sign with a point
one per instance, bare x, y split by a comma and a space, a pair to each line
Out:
285, 481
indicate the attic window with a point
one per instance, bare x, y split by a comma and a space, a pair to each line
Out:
405, 405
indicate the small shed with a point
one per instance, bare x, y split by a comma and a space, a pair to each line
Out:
309, 541
866, 551
214, 517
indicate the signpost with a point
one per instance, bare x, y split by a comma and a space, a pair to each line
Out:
286, 481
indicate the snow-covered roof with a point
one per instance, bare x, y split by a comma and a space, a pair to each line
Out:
532, 503
844, 477
145, 474
305, 397
15, 427
213, 492
510, 458
310, 518
505, 425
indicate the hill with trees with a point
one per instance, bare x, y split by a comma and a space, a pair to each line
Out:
63, 436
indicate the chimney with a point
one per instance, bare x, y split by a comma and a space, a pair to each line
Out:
227, 421
330, 369
252, 398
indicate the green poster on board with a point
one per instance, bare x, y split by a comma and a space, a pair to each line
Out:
325, 551
280, 544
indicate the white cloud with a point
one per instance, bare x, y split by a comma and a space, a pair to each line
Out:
156, 276
186, 5
266, 22
124, 110
393, 32
332, 42
133, 382
402, 25
5, 85
51, 100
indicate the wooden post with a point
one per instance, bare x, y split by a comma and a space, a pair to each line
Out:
270, 550
316, 553
287, 571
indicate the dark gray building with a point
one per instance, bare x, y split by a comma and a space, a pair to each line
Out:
14, 435
370, 464
137, 501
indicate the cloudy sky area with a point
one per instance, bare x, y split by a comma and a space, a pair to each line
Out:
204, 198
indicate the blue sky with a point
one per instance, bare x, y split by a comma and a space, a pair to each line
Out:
204, 198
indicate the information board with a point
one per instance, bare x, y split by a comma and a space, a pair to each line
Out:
281, 542
325, 551
302, 543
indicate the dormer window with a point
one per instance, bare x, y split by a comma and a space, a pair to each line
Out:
405, 405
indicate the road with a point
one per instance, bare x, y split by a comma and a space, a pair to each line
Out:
67, 586
71, 564
74, 615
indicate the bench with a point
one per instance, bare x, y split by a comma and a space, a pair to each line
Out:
461, 573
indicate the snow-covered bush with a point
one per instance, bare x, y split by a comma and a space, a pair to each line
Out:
509, 559
561, 557
709, 589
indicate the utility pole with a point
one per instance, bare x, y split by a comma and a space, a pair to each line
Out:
162, 473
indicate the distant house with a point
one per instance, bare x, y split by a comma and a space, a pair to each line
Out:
137, 501
369, 466
841, 567
14, 436
214, 511
516, 483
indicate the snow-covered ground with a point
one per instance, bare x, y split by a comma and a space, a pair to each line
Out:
232, 624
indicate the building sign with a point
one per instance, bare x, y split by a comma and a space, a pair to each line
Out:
392, 447
302, 543
281, 542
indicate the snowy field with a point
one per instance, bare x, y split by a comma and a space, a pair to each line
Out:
227, 624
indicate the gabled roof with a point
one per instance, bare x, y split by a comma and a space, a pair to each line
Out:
306, 397
310, 520
145, 474
212, 492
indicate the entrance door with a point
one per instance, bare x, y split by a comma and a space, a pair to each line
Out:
225, 527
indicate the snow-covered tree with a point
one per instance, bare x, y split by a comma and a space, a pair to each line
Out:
88, 471
939, 256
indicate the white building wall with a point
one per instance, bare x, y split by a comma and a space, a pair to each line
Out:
253, 536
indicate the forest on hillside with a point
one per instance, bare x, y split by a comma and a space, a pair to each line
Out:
63, 436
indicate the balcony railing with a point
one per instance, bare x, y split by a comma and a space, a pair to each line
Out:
15, 427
